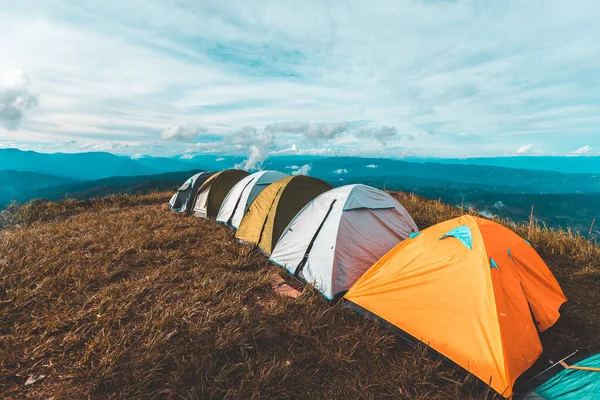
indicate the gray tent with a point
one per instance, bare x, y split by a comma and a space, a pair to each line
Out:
183, 200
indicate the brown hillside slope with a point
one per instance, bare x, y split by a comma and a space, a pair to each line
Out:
124, 299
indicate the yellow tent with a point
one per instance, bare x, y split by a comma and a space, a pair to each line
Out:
470, 289
212, 192
271, 212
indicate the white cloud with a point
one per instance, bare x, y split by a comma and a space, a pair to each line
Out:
16, 97
323, 151
125, 70
287, 127
187, 156
293, 167
371, 166
383, 134
219, 159
257, 144
59, 145
325, 131
182, 133
525, 149
303, 170
582, 150
340, 171
312, 131
116, 147
486, 214
293, 149
499, 205
137, 156
255, 158
210, 147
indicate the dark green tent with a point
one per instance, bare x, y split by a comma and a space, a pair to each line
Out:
213, 191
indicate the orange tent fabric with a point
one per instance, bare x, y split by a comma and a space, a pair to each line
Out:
470, 289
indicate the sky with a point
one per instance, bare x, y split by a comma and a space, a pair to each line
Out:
436, 78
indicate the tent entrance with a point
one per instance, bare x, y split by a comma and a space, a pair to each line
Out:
237, 203
201, 206
302, 264
262, 230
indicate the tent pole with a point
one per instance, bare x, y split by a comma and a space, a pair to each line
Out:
552, 366
567, 366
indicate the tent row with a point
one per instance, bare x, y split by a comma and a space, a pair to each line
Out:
324, 236
471, 289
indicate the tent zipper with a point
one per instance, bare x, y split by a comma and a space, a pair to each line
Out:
237, 203
300, 266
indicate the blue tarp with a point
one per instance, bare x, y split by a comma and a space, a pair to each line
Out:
572, 384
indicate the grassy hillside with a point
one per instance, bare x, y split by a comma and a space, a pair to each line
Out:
120, 298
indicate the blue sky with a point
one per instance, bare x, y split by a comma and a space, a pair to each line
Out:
386, 78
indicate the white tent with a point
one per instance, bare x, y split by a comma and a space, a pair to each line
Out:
240, 197
338, 236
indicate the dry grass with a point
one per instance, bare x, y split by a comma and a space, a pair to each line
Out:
124, 299
40, 210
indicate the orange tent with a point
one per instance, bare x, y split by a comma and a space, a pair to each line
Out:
472, 290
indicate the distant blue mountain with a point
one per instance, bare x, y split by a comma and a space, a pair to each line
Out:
99, 165
493, 185
114, 185
14, 183
164, 164
79, 166
208, 162
409, 174
93, 166
564, 164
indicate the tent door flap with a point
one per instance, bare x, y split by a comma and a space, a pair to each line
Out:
312, 241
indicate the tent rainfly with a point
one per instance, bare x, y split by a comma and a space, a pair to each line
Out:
212, 193
341, 234
275, 207
243, 194
183, 199
470, 289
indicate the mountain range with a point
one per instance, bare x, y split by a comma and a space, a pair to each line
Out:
565, 164
24, 186
565, 191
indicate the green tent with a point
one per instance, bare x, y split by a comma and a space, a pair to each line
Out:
581, 381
